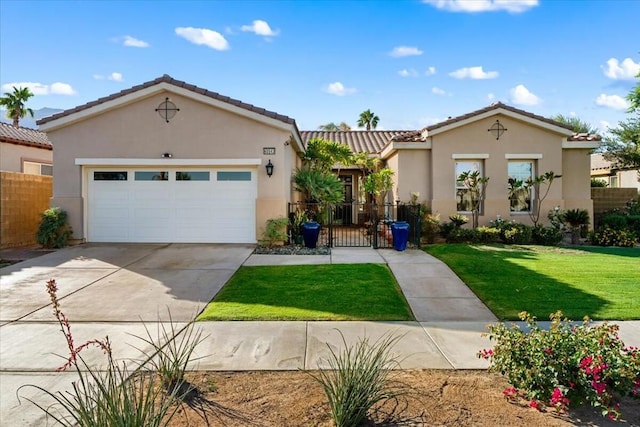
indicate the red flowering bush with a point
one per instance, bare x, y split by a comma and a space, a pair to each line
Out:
567, 365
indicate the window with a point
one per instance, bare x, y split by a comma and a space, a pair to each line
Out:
192, 176
234, 176
463, 194
35, 168
613, 181
110, 176
519, 196
151, 176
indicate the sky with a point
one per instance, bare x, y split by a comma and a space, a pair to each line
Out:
413, 63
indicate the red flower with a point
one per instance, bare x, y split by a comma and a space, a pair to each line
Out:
548, 351
535, 404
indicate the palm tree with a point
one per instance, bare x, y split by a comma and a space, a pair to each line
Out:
14, 102
332, 127
368, 119
578, 125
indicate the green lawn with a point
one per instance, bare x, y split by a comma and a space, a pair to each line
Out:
310, 292
603, 283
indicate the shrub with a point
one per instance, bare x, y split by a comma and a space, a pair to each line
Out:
606, 236
488, 234
516, 234
275, 232
359, 378
430, 226
633, 224
548, 236
53, 231
598, 183
568, 365
462, 235
615, 220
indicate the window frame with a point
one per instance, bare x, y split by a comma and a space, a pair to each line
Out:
37, 163
460, 189
531, 191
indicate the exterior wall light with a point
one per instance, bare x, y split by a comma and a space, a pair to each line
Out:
167, 155
269, 167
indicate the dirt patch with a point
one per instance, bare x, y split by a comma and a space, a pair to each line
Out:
437, 398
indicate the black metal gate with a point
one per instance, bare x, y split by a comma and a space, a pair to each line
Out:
358, 224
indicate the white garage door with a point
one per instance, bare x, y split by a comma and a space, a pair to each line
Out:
171, 205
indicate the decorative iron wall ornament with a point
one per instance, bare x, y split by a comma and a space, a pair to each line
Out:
167, 110
497, 129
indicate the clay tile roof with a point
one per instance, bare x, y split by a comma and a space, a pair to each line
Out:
24, 136
599, 162
359, 141
178, 83
496, 106
584, 137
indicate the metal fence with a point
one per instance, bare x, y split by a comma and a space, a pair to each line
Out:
359, 224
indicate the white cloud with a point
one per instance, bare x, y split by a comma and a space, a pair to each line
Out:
133, 42
408, 73
611, 101
400, 51
475, 73
477, 6
116, 77
203, 36
438, 91
520, 95
338, 89
490, 97
625, 70
604, 125
57, 88
430, 71
260, 28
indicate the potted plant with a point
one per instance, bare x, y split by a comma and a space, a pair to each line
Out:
299, 218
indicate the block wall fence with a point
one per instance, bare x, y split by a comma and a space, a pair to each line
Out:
23, 198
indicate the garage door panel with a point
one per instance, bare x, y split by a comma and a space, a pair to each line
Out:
200, 210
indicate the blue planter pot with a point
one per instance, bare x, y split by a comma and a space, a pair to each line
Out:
310, 233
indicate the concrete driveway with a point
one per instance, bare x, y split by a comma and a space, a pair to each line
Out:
104, 289
120, 282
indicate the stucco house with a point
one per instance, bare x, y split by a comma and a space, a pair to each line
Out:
167, 161
25, 150
501, 142
614, 177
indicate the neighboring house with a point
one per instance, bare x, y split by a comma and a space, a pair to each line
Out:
166, 161
25, 150
615, 178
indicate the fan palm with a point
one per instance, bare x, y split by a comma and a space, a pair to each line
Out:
368, 119
15, 104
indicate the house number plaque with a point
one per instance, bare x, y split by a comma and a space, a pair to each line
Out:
268, 151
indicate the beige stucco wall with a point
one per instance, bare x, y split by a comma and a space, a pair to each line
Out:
521, 138
12, 155
576, 180
413, 171
198, 131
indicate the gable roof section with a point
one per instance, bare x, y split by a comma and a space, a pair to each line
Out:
170, 84
500, 108
24, 136
359, 141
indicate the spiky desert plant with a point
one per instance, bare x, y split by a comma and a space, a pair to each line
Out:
359, 378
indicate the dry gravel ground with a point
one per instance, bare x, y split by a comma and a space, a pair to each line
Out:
438, 398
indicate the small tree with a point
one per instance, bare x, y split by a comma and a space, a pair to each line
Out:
536, 184
477, 186
379, 183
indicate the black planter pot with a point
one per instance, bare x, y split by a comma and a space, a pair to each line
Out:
310, 233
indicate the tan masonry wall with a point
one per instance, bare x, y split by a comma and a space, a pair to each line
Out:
606, 199
23, 198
